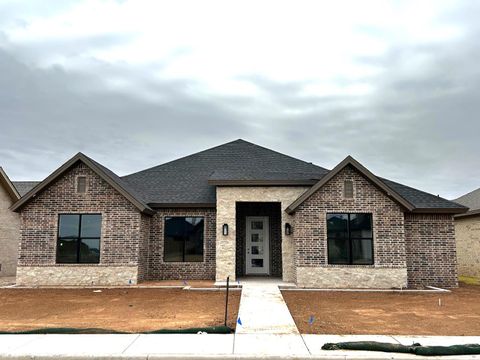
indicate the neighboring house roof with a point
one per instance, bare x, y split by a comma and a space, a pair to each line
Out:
24, 187
472, 201
8, 186
111, 178
190, 180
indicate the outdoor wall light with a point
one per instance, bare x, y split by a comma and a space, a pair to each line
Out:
288, 229
225, 229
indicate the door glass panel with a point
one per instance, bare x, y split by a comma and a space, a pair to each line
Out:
257, 263
257, 250
257, 225
257, 238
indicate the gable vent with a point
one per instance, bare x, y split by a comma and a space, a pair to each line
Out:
81, 184
348, 189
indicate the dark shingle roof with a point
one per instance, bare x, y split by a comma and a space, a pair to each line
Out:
24, 187
471, 200
191, 179
186, 180
421, 199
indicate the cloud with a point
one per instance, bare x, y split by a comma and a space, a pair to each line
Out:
397, 89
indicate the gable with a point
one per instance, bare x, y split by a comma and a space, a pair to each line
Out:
367, 197
350, 162
8, 187
103, 173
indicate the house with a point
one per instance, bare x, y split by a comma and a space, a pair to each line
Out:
10, 192
467, 232
234, 210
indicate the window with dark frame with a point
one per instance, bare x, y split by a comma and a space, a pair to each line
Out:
79, 238
348, 189
81, 184
183, 239
350, 239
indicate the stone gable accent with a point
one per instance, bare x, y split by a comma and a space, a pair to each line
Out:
160, 270
388, 233
467, 233
9, 235
121, 224
431, 252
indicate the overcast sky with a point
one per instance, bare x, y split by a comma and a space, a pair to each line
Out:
395, 84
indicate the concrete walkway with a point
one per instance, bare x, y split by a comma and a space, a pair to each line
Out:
191, 346
265, 324
263, 310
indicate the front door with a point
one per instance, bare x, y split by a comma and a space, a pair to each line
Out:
258, 245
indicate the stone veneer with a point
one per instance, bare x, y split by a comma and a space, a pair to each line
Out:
467, 234
9, 235
227, 197
351, 277
431, 250
311, 259
77, 275
160, 270
122, 238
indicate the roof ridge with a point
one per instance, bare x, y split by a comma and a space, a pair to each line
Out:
280, 153
218, 146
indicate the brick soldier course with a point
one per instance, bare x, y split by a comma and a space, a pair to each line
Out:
413, 232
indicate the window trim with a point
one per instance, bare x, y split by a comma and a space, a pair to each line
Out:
79, 239
204, 217
351, 239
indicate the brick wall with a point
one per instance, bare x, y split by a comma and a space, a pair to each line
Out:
160, 270
9, 235
467, 234
144, 248
431, 253
121, 221
310, 235
273, 211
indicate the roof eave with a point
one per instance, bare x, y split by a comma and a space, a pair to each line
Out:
181, 205
467, 214
452, 211
262, 182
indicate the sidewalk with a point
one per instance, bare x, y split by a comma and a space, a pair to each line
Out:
188, 346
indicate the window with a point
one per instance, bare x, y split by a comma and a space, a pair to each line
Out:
183, 239
79, 238
348, 189
81, 184
350, 239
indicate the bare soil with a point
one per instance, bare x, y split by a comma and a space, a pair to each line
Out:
387, 313
130, 310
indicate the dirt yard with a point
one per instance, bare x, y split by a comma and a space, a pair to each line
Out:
387, 313
128, 310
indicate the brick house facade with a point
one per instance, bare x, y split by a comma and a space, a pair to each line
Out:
209, 237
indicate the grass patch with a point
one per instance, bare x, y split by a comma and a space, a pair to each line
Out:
469, 280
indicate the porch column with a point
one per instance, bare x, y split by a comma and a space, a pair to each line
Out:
225, 244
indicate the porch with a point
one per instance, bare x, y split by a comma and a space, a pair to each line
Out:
246, 215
